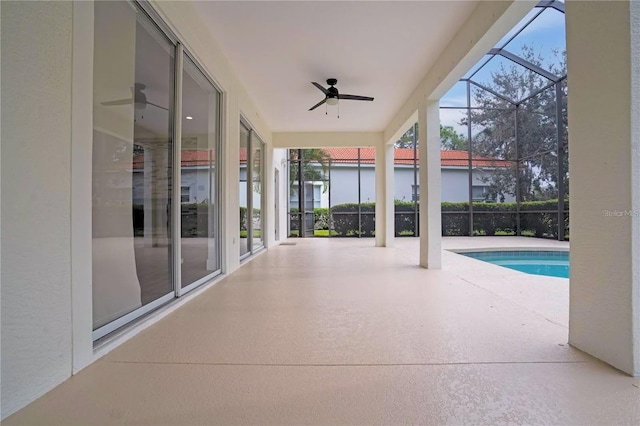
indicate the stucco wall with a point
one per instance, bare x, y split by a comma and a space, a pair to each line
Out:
604, 301
36, 247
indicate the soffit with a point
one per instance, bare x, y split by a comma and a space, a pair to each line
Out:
378, 49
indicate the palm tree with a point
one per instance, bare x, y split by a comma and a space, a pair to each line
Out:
315, 167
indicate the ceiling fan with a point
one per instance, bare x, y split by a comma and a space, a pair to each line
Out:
332, 95
138, 98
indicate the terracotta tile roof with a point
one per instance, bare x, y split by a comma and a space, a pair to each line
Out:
448, 158
403, 156
190, 158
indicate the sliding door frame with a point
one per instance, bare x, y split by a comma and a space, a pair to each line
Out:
179, 52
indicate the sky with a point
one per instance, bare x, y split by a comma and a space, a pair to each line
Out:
545, 34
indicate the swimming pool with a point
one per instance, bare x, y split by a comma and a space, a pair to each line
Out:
550, 263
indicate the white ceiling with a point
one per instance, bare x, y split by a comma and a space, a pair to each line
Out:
378, 49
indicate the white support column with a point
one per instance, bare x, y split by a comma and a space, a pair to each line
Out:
268, 210
429, 178
385, 219
603, 62
230, 174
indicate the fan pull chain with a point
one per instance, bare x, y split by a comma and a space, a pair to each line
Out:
325, 109
338, 109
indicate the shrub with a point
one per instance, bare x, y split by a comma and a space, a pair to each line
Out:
322, 219
243, 218
344, 218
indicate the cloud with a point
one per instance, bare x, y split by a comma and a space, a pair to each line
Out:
451, 117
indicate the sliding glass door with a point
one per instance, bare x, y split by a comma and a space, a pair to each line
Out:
251, 191
257, 186
132, 156
200, 245
245, 184
155, 216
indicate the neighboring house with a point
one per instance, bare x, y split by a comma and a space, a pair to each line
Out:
197, 184
343, 175
344, 182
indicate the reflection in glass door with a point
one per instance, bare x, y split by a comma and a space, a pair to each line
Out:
132, 166
199, 243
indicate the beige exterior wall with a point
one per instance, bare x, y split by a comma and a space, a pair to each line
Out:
604, 155
36, 199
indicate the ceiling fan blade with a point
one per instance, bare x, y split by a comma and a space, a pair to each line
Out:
355, 97
157, 106
118, 102
318, 104
325, 91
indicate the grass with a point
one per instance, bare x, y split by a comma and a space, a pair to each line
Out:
324, 233
316, 233
256, 233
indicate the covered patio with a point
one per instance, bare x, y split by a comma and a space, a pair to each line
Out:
355, 334
269, 330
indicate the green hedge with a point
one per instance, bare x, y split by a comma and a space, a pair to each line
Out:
537, 218
404, 218
195, 220
345, 219
243, 217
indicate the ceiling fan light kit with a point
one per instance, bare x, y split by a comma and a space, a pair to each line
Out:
332, 96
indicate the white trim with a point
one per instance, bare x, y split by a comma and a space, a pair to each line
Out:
137, 313
121, 336
199, 282
176, 220
223, 165
81, 178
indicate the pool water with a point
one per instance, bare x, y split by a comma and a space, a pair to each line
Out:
550, 263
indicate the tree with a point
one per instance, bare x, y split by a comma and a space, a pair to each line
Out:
315, 167
494, 124
450, 139
406, 140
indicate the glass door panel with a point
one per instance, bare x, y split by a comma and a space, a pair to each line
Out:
245, 215
200, 246
257, 218
132, 166
309, 203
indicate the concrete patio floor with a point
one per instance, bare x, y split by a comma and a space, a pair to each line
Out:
336, 331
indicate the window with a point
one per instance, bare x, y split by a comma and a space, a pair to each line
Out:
184, 194
481, 193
